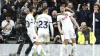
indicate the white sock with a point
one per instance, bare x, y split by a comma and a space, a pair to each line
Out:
39, 49
74, 49
63, 50
66, 50
47, 50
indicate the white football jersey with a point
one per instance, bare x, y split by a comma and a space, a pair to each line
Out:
30, 24
65, 20
43, 23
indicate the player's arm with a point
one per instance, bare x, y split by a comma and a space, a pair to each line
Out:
74, 21
51, 27
59, 25
36, 23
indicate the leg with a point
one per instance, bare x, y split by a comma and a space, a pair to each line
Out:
73, 38
47, 40
64, 48
20, 48
29, 48
74, 47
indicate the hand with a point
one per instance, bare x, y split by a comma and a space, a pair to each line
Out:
61, 32
8, 23
88, 4
95, 11
4, 10
34, 37
96, 20
79, 28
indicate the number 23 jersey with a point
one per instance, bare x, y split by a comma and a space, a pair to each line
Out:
43, 22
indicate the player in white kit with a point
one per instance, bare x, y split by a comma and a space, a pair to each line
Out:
44, 21
30, 24
67, 31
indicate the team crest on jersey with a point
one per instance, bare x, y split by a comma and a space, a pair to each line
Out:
65, 18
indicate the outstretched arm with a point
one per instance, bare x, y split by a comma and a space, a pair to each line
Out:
74, 21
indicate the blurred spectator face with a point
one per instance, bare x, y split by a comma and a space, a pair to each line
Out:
85, 28
84, 7
96, 7
8, 18
45, 5
35, 2
62, 8
26, 11
39, 8
70, 5
54, 13
4, 10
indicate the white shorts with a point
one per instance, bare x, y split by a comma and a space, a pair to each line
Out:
69, 34
43, 37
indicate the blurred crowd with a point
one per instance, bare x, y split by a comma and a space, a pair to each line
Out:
16, 11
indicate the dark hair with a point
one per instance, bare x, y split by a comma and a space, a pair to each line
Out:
44, 2
31, 8
62, 3
8, 14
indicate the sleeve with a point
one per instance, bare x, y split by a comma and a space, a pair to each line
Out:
58, 19
2, 24
51, 27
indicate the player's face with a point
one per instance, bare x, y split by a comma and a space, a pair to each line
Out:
62, 9
34, 10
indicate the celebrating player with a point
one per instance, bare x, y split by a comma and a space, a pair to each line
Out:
67, 30
30, 24
43, 23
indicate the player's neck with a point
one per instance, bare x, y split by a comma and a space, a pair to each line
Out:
44, 13
63, 12
31, 13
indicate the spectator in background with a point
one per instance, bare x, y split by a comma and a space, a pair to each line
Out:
13, 13
22, 30
34, 3
18, 4
25, 6
7, 6
97, 22
83, 14
85, 36
7, 26
57, 38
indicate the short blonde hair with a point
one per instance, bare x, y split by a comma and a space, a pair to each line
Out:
83, 24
